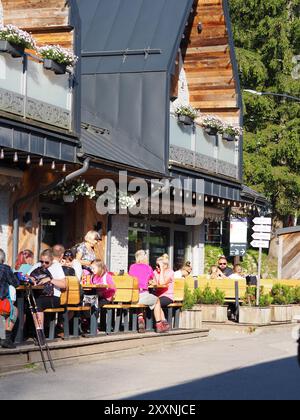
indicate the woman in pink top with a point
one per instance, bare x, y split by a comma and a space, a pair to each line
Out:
144, 273
164, 276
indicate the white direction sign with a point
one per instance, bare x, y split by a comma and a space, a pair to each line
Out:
262, 228
262, 236
262, 221
260, 244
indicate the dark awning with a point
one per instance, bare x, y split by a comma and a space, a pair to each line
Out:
24, 138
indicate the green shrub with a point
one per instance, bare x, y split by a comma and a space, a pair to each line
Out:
208, 297
189, 298
296, 295
282, 295
249, 299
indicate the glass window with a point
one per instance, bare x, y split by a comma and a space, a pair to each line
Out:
137, 239
180, 249
159, 241
213, 232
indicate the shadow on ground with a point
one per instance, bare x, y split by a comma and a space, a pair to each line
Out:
278, 380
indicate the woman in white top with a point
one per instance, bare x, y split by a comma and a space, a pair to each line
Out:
184, 272
237, 273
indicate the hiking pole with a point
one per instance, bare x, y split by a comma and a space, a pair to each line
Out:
39, 330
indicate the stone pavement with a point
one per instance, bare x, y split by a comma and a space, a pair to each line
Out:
227, 365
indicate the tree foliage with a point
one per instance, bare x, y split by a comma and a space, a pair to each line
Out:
267, 37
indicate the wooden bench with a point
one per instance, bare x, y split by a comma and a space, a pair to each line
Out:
174, 309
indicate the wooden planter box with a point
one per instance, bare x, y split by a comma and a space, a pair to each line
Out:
295, 312
191, 319
15, 51
255, 316
213, 313
282, 313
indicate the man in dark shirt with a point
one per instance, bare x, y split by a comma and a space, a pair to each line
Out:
7, 279
223, 266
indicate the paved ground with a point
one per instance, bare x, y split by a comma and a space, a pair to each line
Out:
228, 365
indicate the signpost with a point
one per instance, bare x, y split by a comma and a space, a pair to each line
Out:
262, 236
238, 236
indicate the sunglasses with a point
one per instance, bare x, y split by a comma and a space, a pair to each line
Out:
45, 262
223, 264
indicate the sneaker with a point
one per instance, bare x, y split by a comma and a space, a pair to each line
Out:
166, 325
141, 325
8, 344
162, 328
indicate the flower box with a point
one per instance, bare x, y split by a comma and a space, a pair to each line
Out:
186, 120
191, 319
255, 316
282, 313
54, 66
213, 313
228, 137
211, 131
15, 51
68, 198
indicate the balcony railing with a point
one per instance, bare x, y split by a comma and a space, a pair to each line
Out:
30, 91
190, 146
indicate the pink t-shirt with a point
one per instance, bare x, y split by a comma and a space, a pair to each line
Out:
144, 274
105, 279
169, 290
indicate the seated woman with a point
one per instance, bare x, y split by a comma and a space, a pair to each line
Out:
67, 264
144, 273
164, 276
47, 273
24, 262
101, 276
184, 272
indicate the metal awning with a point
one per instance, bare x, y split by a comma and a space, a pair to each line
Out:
40, 142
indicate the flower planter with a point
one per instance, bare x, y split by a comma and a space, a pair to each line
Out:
213, 313
295, 312
190, 319
186, 120
255, 316
282, 313
228, 137
54, 66
68, 198
211, 131
15, 51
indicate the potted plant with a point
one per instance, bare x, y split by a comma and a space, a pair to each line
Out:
212, 125
186, 114
212, 304
14, 41
250, 314
57, 58
190, 316
282, 303
71, 191
231, 132
296, 302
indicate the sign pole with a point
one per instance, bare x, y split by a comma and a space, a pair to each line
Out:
259, 276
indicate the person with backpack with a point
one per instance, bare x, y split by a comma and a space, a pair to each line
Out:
8, 283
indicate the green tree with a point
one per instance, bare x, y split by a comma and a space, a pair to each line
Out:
267, 39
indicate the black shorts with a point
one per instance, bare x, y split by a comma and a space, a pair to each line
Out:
165, 301
47, 302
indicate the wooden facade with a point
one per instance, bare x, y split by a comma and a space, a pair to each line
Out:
208, 64
47, 20
289, 253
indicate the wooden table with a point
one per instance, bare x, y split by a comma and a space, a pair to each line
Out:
94, 316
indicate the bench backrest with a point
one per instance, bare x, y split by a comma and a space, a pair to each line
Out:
179, 290
124, 285
225, 285
71, 296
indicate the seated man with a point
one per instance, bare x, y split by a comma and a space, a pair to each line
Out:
223, 266
7, 279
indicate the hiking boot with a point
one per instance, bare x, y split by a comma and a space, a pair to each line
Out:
8, 344
141, 325
162, 328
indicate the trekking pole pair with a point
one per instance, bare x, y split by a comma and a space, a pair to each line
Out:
42, 343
